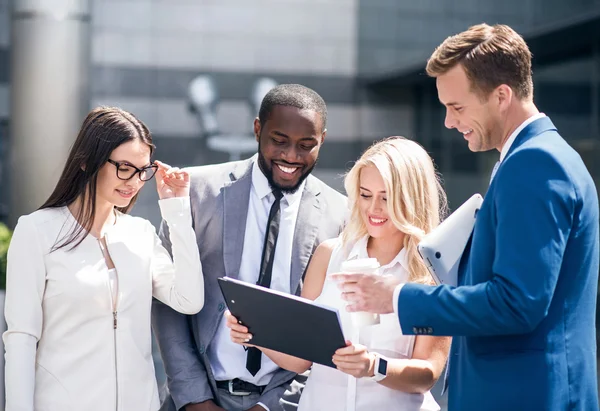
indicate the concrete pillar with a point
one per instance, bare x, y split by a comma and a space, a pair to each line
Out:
50, 60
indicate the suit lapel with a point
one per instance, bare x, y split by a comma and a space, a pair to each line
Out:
307, 226
236, 195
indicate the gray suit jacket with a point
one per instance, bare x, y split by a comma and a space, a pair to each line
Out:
219, 197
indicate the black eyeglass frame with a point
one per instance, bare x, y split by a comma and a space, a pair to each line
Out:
137, 171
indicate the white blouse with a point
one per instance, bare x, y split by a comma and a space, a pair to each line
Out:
329, 389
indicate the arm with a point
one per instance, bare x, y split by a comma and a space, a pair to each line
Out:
530, 243
179, 282
415, 375
25, 284
187, 377
420, 373
313, 285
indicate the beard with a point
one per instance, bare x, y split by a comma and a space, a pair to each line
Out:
268, 172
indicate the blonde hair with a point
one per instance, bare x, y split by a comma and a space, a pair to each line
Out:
416, 201
490, 56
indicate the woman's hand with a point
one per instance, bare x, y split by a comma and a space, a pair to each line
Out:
355, 360
239, 333
171, 181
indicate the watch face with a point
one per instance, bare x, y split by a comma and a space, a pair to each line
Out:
382, 368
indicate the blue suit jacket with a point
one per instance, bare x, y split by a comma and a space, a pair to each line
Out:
524, 312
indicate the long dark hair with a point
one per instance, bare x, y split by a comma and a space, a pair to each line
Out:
103, 130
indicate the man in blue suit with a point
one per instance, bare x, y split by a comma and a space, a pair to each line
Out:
524, 312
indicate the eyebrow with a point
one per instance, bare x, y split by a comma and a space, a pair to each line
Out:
453, 104
129, 163
366, 189
280, 134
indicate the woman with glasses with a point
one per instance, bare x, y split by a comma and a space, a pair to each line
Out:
82, 273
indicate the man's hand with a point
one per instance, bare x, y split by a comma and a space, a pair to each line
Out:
367, 292
207, 405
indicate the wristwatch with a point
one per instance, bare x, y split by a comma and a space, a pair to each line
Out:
379, 368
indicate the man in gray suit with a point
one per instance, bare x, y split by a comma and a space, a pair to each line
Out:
236, 208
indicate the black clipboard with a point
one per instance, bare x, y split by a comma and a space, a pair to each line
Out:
284, 322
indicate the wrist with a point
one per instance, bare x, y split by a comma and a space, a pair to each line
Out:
372, 358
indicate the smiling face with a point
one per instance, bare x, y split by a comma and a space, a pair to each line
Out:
476, 119
373, 204
110, 189
288, 146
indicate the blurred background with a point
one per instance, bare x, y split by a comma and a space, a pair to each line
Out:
195, 71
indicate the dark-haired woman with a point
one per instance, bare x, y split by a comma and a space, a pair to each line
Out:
82, 274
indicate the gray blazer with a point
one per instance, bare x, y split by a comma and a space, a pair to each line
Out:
219, 197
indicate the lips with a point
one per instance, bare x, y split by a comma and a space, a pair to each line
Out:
467, 133
126, 193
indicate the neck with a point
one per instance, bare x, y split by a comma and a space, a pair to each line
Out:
515, 116
385, 249
104, 215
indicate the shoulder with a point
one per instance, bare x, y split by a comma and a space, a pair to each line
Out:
329, 194
45, 218
218, 172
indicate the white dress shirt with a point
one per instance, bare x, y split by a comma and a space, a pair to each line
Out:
503, 153
227, 359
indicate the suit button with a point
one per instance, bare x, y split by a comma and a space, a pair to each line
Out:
429, 330
221, 307
201, 349
415, 330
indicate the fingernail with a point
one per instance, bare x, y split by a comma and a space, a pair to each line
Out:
247, 339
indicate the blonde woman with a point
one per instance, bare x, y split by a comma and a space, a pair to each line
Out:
395, 199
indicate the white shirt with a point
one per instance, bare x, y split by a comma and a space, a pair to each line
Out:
227, 359
503, 153
332, 390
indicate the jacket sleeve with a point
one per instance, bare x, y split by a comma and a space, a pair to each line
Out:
178, 282
25, 284
187, 378
535, 203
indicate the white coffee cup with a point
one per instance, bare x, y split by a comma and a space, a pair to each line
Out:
364, 266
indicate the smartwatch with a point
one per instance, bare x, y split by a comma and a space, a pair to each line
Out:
379, 368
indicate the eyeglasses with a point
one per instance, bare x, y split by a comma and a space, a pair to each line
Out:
126, 171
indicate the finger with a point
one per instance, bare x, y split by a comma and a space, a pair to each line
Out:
242, 337
172, 172
345, 277
354, 349
357, 365
161, 165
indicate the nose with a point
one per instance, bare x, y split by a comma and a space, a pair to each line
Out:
376, 205
449, 121
290, 154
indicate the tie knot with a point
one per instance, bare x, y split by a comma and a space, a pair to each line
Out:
277, 193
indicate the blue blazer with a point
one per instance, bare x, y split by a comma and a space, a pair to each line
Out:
523, 315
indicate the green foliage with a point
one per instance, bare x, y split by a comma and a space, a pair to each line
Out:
5, 236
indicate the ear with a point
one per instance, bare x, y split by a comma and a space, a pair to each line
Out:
257, 129
503, 96
323, 136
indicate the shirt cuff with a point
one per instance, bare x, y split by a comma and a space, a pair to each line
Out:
263, 405
395, 301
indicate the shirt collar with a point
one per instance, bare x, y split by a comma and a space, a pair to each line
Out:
263, 189
515, 133
359, 250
